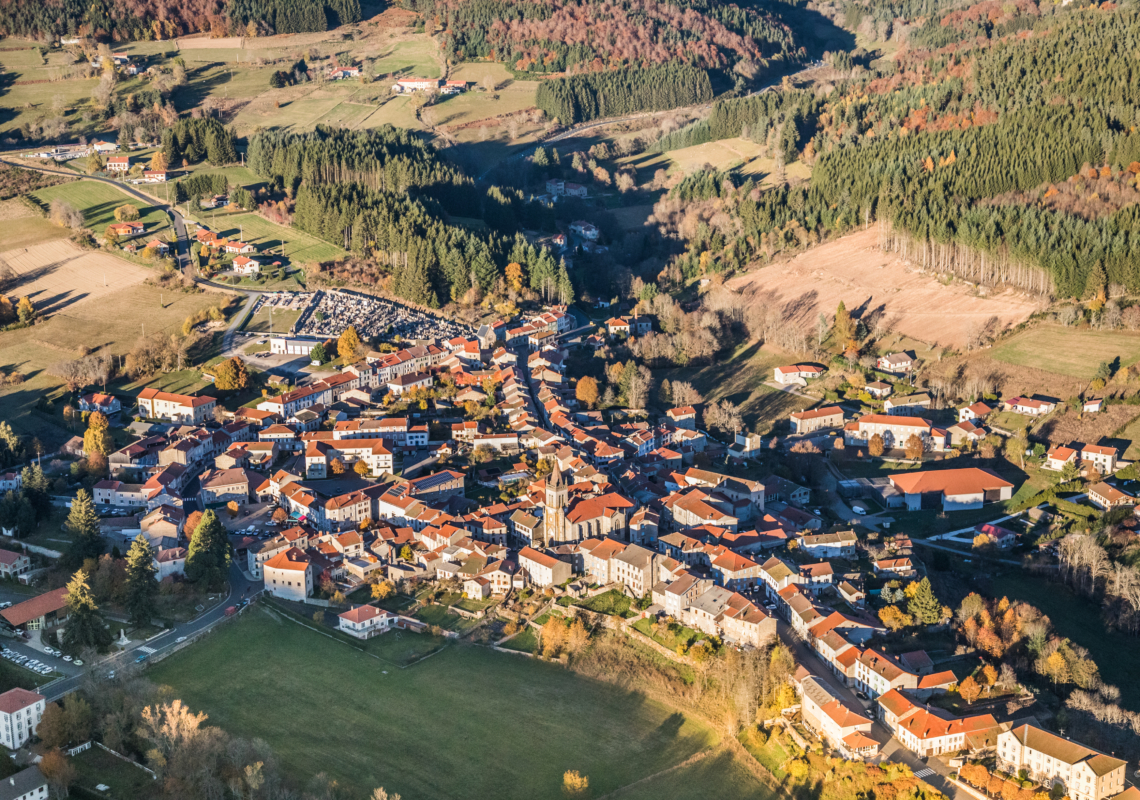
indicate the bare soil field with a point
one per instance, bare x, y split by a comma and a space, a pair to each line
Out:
873, 283
58, 275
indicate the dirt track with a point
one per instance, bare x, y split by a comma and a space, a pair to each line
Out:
873, 283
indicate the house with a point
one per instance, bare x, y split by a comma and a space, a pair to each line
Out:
106, 403
364, 622
1058, 457
817, 419
20, 714
191, 409
244, 265
158, 246
895, 567
910, 405
965, 432
830, 545
289, 574
222, 486
409, 381
797, 374
879, 389
154, 176
597, 558
896, 362
951, 489
344, 73
1031, 406
543, 570
27, 784
125, 229
575, 190
1105, 496
118, 164
1049, 759
894, 430
453, 87
1092, 405
169, 561
683, 417
997, 535
978, 410
13, 564
845, 730
1100, 456
585, 230
415, 85
926, 732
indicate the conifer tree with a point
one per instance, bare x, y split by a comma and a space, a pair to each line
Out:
85, 625
924, 606
83, 524
141, 586
208, 561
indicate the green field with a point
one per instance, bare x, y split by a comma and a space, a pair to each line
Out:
1068, 351
415, 58
729, 155
300, 248
741, 378
25, 231
282, 321
423, 731
98, 202
96, 766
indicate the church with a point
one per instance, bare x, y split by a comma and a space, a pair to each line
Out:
573, 513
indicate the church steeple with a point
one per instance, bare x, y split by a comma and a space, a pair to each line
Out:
554, 513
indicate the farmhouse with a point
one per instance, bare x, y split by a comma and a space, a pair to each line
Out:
896, 362
951, 489
415, 85
797, 374
1031, 406
122, 229
344, 73
976, 411
118, 163
244, 265
1102, 495
816, 419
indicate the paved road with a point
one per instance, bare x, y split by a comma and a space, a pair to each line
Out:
240, 586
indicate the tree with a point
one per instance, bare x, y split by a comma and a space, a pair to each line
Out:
514, 276
380, 794
209, 558
233, 509
280, 515
894, 618
348, 344
383, 590
25, 310
843, 327
158, 162
58, 772
969, 690
318, 354
52, 729
914, 447
923, 605
83, 524
85, 625
875, 446
97, 438
575, 784
360, 467
127, 213
1015, 447
406, 553
587, 391
231, 375
337, 466
141, 583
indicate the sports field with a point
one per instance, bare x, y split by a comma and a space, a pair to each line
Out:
465, 722
1068, 351
98, 201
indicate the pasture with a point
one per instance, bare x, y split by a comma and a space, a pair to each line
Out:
412, 58
538, 719
98, 201
1073, 352
21, 227
741, 156
270, 238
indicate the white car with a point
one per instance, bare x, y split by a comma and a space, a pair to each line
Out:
859, 510
180, 640
67, 658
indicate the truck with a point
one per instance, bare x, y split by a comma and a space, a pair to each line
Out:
231, 611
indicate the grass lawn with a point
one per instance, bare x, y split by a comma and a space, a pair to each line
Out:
96, 766
539, 719
613, 603
1082, 621
526, 641
677, 635
13, 676
300, 248
1069, 351
98, 202
434, 614
1010, 420
741, 378
728, 155
415, 58
20, 226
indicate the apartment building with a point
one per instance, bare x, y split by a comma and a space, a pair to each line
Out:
1083, 773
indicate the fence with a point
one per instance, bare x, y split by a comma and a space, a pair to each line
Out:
149, 772
79, 748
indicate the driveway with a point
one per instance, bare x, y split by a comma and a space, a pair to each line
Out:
240, 587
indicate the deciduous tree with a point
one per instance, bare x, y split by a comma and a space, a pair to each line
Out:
875, 445
587, 391
969, 690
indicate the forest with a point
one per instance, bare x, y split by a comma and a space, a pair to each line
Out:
386, 196
958, 147
580, 98
123, 20
577, 35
